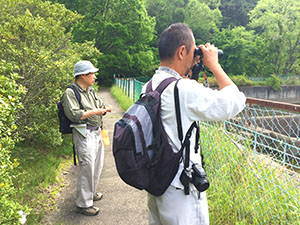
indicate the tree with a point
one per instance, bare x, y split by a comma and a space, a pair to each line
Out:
166, 12
125, 39
241, 54
278, 23
203, 20
235, 12
122, 31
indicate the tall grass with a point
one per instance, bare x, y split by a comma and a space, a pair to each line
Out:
124, 101
246, 187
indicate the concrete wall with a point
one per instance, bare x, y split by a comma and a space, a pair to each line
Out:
289, 94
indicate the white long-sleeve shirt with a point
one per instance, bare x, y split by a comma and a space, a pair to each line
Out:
197, 103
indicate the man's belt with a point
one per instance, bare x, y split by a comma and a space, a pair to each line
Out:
92, 127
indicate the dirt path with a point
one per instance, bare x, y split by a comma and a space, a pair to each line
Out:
121, 204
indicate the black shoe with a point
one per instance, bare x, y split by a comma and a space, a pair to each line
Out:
90, 211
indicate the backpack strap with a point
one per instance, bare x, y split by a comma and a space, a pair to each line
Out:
178, 113
161, 87
78, 97
149, 86
186, 143
77, 94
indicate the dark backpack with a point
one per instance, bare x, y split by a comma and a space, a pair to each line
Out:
64, 122
143, 156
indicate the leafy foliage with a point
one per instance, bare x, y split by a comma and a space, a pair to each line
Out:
274, 82
203, 20
240, 51
278, 24
122, 31
166, 12
235, 12
10, 96
203, 17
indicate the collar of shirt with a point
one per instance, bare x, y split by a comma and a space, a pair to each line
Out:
81, 89
169, 70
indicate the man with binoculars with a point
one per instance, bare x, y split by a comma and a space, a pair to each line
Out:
178, 54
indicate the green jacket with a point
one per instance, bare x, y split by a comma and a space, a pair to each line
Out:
89, 101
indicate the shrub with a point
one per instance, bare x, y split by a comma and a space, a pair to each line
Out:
239, 80
274, 82
10, 95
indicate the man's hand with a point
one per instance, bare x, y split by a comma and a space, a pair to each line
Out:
210, 60
100, 112
210, 56
108, 108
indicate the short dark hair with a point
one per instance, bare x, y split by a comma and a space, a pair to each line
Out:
175, 35
77, 77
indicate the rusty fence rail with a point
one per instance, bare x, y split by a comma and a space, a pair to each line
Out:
272, 128
253, 164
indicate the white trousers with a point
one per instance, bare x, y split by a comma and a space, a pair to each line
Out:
90, 154
176, 208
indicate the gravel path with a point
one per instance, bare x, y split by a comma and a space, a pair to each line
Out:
121, 204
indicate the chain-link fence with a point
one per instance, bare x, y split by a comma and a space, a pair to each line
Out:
253, 165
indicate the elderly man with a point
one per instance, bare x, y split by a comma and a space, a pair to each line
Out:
89, 147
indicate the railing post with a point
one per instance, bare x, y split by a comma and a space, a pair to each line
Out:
133, 90
128, 90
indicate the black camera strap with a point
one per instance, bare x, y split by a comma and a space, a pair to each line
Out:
186, 143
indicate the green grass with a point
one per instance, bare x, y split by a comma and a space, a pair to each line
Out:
38, 182
124, 101
246, 187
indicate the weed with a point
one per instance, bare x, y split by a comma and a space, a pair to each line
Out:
39, 183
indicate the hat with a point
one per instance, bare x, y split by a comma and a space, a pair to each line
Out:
84, 67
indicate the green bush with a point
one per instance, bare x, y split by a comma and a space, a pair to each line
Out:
239, 80
274, 82
40, 180
10, 95
291, 80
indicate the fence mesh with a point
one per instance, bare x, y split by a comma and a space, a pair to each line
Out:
253, 165
247, 186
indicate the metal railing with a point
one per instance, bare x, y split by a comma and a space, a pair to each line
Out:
131, 86
253, 165
272, 128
